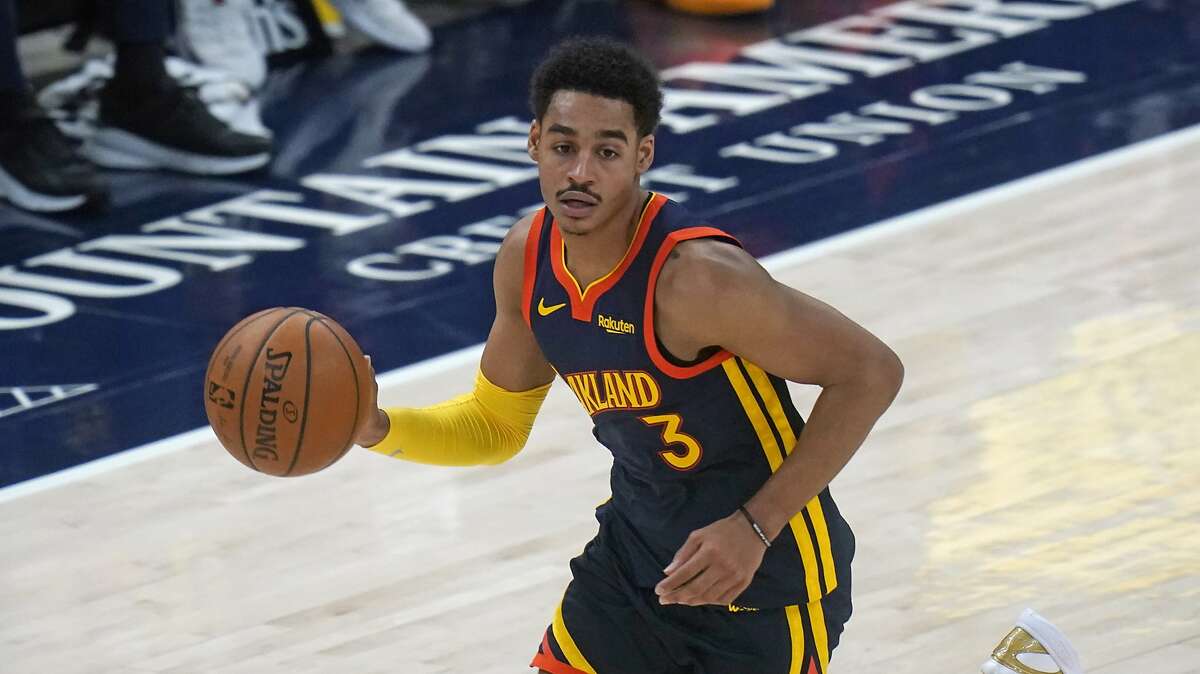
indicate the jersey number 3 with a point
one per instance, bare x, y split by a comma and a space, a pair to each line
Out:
683, 451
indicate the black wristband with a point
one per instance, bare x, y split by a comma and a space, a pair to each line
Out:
754, 525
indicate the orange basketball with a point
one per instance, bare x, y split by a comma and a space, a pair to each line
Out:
285, 389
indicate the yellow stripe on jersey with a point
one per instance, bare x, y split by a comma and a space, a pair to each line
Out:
754, 412
766, 438
762, 382
816, 616
796, 629
567, 644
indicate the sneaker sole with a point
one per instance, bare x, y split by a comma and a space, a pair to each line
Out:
22, 196
1055, 641
114, 148
364, 22
993, 667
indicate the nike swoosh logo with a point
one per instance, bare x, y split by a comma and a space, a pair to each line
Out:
544, 310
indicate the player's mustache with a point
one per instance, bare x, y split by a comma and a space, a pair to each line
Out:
579, 189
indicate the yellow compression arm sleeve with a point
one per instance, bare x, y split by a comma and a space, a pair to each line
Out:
487, 426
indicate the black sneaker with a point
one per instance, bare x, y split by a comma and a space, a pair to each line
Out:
40, 169
170, 128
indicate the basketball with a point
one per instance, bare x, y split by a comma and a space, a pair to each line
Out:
285, 389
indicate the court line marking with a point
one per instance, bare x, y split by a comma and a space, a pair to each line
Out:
891, 226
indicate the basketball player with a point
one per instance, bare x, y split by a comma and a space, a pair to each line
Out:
721, 550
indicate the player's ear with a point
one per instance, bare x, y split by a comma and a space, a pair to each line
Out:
645, 153
535, 132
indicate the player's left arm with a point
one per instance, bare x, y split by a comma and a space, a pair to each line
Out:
713, 293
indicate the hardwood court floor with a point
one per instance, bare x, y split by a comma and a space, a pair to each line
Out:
1044, 452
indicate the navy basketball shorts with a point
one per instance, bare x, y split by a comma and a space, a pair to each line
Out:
607, 625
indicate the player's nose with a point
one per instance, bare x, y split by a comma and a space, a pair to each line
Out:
580, 170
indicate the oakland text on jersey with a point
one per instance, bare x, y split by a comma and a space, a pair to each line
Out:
614, 390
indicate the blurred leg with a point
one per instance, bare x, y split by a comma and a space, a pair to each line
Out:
140, 29
39, 169
11, 78
148, 120
141, 20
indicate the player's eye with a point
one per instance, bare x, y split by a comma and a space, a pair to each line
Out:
562, 148
609, 153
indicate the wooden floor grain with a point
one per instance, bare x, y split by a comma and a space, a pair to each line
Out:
1045, 451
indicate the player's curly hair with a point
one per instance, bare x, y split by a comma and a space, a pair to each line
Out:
601, 67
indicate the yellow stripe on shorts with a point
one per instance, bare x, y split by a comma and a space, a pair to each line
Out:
816, 616
567, 644
796, 630
823, 543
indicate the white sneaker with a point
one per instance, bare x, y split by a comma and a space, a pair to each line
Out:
1034, 646
387, 22
216, 33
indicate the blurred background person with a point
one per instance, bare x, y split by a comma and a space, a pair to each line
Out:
222, 33
146, 119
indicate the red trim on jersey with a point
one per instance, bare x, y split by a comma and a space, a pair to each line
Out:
531, 250
676, 371
583, 303
545, 660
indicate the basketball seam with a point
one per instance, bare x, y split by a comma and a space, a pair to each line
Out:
357, 396
246, 387
253, 318
308, 365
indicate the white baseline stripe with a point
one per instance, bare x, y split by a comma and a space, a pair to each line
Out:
913, 220
191, 438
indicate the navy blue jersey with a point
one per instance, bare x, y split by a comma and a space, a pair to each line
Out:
690, 441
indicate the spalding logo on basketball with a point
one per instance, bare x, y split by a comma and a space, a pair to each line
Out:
284, 391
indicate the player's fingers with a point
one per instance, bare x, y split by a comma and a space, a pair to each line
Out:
690, 547
726, 589
682, 575
725, 593
369, 420
698, 591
